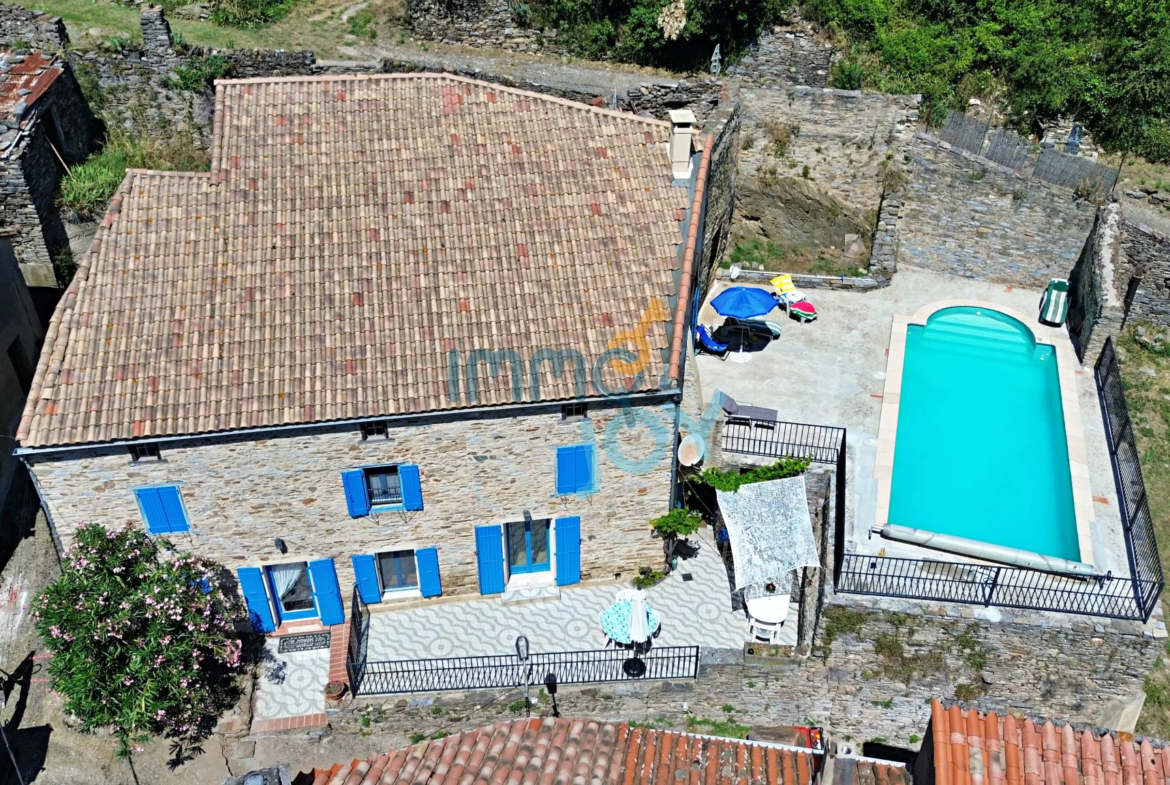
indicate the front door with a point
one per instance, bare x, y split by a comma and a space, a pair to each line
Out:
528, 546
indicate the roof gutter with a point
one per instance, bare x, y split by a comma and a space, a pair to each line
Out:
686, 277
646, 398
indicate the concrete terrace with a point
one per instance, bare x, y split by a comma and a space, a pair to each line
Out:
832, 372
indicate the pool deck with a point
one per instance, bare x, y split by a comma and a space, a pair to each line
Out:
833, 372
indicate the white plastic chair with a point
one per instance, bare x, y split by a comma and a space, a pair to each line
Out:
764, 631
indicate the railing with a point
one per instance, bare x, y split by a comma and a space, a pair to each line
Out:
1133, 597
359, 628
508, 670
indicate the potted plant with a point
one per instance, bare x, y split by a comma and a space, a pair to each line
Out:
335, 693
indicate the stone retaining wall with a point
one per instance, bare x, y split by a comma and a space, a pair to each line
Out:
1144, 264
497, 23
1095, 305
965, 215
31, 29
789, 55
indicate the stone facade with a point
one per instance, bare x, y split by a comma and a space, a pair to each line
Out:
1143, 265
789, 55
242, 493
21, 336
24, 29
496, 23
31, 172
965, 215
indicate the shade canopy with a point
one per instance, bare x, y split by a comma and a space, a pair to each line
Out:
770, 530
744, 302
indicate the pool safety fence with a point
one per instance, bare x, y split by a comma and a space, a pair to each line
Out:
1131, 597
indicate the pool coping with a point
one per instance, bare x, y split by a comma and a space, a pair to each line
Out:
1066, 369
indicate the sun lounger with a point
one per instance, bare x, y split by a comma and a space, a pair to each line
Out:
708, 343
786, 291
1054, 303
745, 414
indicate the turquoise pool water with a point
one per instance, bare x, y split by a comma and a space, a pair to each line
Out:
981, 450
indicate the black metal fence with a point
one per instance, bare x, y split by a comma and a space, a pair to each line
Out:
1145, 564
508, 670
359, 627
1133, 597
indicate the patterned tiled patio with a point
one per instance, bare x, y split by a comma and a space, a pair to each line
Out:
694, 612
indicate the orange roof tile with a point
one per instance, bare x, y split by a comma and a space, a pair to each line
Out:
553, 751
1004, 750
352, 233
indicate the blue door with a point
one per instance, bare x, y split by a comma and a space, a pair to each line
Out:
293, 591
528, 546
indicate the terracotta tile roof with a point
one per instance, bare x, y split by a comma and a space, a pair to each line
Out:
352, 232
867, 771
976, 748
548, 751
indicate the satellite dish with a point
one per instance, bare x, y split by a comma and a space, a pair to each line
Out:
691, 450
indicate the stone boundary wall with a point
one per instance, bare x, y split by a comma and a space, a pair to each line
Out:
31, 28
1095, 305
725, 125
496, 23
789, 55
1144, 264
965, 215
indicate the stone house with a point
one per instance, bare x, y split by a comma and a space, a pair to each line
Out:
21, 335
338, 359
45, 126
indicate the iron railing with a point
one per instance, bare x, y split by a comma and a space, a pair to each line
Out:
359, 627
1133, 597
508, 670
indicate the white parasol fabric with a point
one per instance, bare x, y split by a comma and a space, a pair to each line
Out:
769, 528
639, 628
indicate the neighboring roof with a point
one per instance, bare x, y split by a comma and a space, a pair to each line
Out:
548, 751
868, 771
976, 748
24, 78
352, 234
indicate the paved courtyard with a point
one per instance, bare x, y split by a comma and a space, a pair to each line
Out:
832, 372
291, 684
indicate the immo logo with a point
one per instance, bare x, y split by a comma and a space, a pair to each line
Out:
630, 364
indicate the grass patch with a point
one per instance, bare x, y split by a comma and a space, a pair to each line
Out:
827, 265
756, 254
198, 75
837, 621
362, 25
727, 728
249, 13
89, 186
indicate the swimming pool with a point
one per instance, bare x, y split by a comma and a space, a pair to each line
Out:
980, 450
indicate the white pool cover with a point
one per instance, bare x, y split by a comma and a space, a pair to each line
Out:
770, 530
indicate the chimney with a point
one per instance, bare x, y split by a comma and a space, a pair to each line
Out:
682, 128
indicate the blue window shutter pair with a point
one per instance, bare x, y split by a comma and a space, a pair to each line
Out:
575, 469
489, 556
357, 498
256, 598
366, 571
568, 540
326, 591
163, 510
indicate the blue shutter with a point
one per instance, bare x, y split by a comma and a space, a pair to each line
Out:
585, 467
173, 507
568, 542
489, 556
366, 573
326, 591
428, 572
356, 497
566, 470
411, 488
252, 587
153, 511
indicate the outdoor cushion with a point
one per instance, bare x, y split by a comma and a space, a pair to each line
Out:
708, 342
729, 404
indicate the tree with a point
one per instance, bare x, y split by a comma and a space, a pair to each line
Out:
142, 644
679, 522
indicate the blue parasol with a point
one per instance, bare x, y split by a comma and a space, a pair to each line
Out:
744, 302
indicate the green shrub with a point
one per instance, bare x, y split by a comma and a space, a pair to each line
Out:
64, 265
679, 522
726, 480
361, 24
198, 75
648, 577
847, 75
250, 13
142, 644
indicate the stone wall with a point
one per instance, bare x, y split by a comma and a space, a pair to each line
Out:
1144, 265
725, 125
789, 55
1095, 305
241, 494
31, 29
846, 139
22, 334
965, 215
478, 23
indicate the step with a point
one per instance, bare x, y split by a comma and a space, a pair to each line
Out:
531, 594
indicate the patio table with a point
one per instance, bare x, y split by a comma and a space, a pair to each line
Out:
772, 609
615, 621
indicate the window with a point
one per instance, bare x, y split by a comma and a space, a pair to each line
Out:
162, 509
293, 590
527, 546
20, 364
384, 485
140, 451
374, 429
576, 469
397, 570
574, 411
